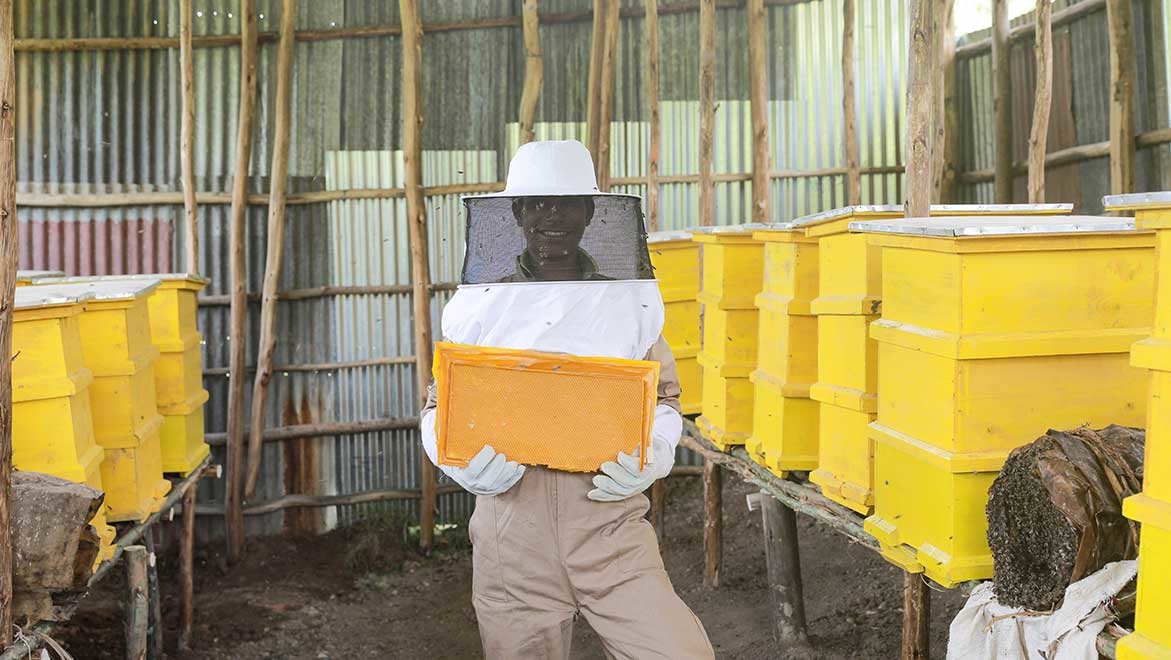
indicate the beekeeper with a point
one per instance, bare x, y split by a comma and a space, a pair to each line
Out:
559, 267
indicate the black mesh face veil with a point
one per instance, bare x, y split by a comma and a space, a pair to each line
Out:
555, 238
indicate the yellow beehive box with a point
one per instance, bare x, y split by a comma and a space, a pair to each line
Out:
845, 457
593, 407
847, 360
784, 426
729, 337
727, 405
731, 266
182, 439
1152, 638
675, 258
27, 277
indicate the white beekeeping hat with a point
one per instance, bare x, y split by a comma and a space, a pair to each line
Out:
548, 169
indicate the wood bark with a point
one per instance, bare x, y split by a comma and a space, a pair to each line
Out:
233, 499
594, 81
154, 634
187, 571
417, 221
945, 118
916, 618
1042, 100
713, 523
274, 252
758, 92
137, 610
9, 237
783, 561
187, 140
534, 71
707, 110
654, 123
1002, 101
606, 102
850, 106
920, 100
1120, 22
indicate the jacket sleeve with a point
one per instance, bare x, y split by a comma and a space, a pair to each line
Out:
669, 389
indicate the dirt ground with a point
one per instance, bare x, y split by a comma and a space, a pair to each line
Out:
361, 594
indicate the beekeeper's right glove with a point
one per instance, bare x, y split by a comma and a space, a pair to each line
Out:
488, 473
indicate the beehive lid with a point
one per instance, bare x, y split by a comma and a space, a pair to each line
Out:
669, 236
34, 297
156, 277
30, 275
994, 225
716, 234
1137, 201
104, 289
935, 210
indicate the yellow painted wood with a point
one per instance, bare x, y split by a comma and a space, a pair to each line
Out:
676, 264
179, 379
849, 276
730, 338
1153, 611
1157, 472
784, 428
133, 476
675, 257
182, 440
691, 384
845, 468
731, 267
847, 362
790, 268
727, 405
787, 344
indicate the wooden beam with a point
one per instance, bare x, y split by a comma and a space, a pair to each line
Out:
417, 222
713, 523
945, 117
136, 605
534, 71
274, 252
916, 618
1025, 31
606, 103
154, 630
1120, 22
707, 110
783, 565
1002, 101
594, 80
850, 106
187, 140
187, 571
758, 92
1042, 100
654, 124
325, 429
9, 238
233, 498
920, 100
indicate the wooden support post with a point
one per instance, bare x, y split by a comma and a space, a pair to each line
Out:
187, 570
1039, 133
920, 76
944, 117
1001, 101
783, 559
658, 505
154, 629
758, 92
417, 221
713, 523
707, 111
9, 237
137, 607
606, 102
1120, 22
187, 139
916, 618
274, 253
534, 70
594, 82
850, 106
654, 125
234, 496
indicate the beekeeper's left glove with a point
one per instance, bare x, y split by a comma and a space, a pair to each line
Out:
622, 478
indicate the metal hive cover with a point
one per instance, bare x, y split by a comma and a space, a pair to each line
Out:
31, 297
121, 289
1136, 200
994, 225
936, 210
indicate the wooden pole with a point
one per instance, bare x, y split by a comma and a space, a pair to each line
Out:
534, 71
9, 237
707, 111
945, 143
654, 125
1120, 22
783, 560
850, 106
658, 506
758, 93
606, 103
713, 523
137, 608
187, 571
920, 76
417, 221
1042, 100
1002, 101
594, 82
154, 634
233, 499
916, 618
276, 241
187, 139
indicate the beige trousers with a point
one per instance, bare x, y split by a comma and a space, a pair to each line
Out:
543, 553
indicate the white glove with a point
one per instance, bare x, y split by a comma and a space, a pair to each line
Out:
488, 473
622, 479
